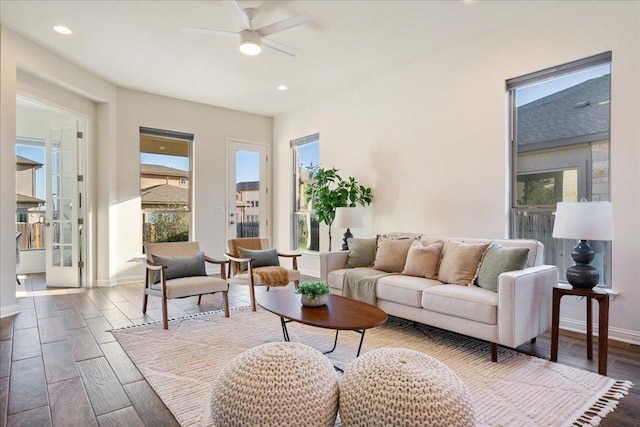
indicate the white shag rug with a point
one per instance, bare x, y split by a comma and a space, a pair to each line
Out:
520, 390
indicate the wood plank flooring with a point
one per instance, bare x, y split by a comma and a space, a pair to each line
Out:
60, 367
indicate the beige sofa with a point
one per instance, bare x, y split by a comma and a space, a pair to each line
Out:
517, 312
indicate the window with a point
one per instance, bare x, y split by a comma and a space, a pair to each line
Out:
559, 121
30, 192
306, 153
165, 190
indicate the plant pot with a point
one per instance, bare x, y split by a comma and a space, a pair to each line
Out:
314, 302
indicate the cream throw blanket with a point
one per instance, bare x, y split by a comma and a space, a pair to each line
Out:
360, 284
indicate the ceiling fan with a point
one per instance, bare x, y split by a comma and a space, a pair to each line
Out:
251, 39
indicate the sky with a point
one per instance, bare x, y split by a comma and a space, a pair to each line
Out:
539, 90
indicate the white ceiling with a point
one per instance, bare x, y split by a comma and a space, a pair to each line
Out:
138, 44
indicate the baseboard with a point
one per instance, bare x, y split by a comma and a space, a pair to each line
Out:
615, 334
138, 279
312, 273
9, 310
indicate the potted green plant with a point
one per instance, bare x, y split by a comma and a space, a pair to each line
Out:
327, 190
313, 293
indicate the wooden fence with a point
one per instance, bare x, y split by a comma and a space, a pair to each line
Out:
32, 235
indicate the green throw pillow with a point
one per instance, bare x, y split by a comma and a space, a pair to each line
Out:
362, 252
498, 260
180, 266
261, 258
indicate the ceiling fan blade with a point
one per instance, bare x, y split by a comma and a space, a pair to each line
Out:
280, 47
208, 32
237, 13
294, 21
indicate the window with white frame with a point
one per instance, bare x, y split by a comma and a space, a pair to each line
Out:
305, 226
559, 130
165, 185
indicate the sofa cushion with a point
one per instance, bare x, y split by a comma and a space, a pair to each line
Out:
423, 261
362, 252
405, 290
460, 262
471, 303
391, 254
498, 260
335, 279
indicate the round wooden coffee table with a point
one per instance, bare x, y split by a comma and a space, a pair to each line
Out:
339, 313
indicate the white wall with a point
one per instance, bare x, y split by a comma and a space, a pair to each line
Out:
211, 127
431, 140
113, 171
28, 68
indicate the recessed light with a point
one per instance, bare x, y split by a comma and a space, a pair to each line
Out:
62, 29
282, 88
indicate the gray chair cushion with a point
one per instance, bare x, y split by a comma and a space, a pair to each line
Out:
181, 266
261, 258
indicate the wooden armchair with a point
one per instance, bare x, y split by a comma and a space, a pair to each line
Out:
177, 270
255, 275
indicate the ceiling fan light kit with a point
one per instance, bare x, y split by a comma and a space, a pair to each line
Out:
250, 43
251, 40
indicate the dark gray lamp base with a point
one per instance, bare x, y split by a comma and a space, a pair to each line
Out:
582, 275
347, 235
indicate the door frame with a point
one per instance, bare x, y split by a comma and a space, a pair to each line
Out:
85, 154
265, 206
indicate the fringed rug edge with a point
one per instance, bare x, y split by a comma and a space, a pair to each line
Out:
594, 411
175, 319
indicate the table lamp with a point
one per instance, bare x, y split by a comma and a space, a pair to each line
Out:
350, 217
583, 221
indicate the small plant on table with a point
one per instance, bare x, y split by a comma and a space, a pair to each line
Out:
313, 293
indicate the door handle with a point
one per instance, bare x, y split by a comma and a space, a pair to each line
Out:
232, 222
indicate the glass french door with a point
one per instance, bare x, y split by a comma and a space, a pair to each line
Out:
63, 198
247, 183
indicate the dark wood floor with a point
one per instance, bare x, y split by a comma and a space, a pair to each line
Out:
59, 366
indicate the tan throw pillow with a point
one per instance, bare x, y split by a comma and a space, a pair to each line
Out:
460, 262
422, 261
391, 254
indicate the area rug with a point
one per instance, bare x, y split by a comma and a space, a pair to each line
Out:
181, 363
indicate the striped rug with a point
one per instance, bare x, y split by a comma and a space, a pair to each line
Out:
520, 390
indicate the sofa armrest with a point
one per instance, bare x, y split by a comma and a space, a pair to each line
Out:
524, 303
330, 261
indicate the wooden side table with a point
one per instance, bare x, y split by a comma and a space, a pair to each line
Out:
603, 322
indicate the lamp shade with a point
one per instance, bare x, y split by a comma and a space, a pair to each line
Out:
348, 218
584, 221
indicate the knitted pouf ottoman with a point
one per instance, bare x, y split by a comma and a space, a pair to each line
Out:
276, 384
400, 387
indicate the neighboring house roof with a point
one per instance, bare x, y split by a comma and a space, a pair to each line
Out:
146, 169
248, 186
164, 194
580, 110
21, 198
24, 161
